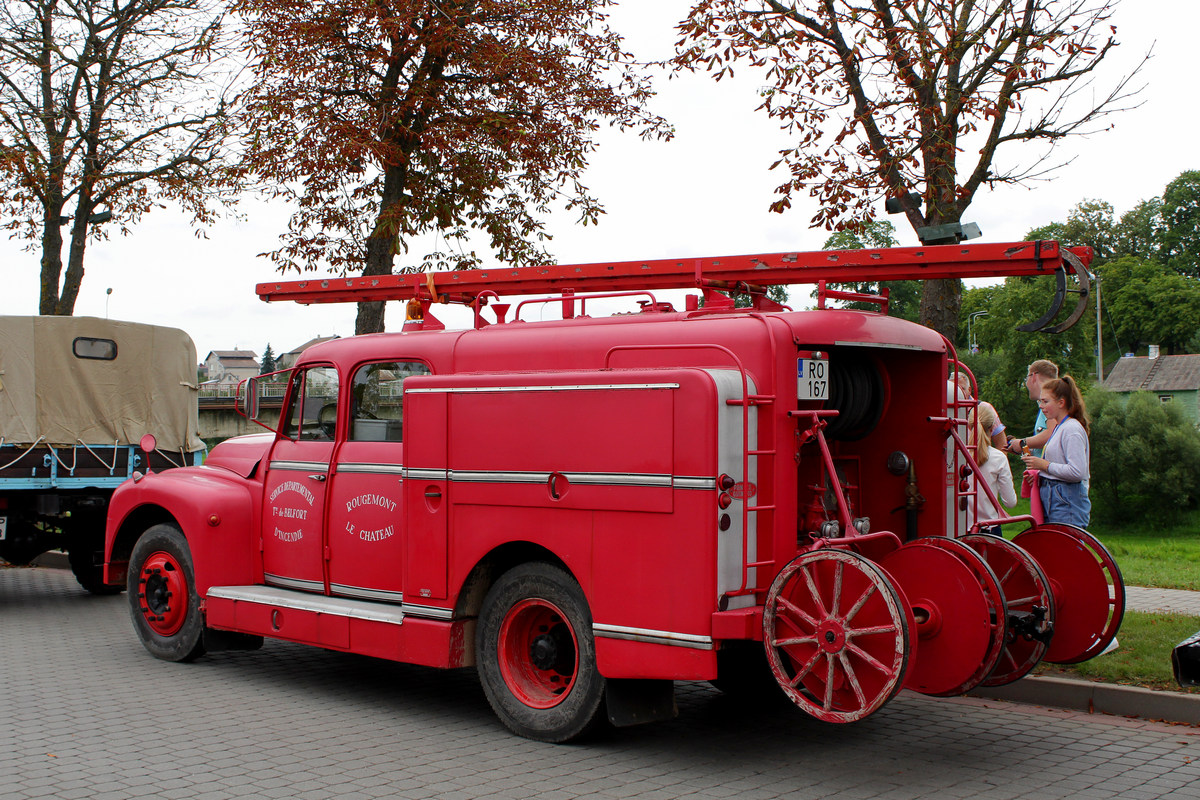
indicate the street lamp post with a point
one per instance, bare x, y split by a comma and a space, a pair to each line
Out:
971, 344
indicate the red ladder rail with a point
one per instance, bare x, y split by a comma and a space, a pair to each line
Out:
988, 260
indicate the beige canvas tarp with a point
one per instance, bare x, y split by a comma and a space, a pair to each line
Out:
48, 392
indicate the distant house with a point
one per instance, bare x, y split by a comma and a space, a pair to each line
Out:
288, 359
230, 366
1172, 379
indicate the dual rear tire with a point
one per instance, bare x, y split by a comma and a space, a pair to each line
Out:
537, 655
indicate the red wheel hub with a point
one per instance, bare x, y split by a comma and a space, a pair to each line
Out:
538, 653
163, 593
997, 610
952, 613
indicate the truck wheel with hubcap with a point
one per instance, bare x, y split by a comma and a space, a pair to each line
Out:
537, 656
162, 595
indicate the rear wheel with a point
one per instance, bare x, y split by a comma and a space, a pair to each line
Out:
162, 595
536, 654
85, 551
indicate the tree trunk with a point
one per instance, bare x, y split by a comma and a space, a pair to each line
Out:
381, 247
940, 304
52, 242
74, 277
941, 299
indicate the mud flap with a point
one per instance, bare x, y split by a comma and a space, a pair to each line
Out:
636, 702
217, 640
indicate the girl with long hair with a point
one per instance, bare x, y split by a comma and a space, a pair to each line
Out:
1065, 465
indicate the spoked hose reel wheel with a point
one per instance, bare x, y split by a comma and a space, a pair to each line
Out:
837, 635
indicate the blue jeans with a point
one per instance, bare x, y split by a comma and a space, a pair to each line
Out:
1066, 503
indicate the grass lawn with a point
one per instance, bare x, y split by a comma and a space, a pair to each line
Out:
1144, 655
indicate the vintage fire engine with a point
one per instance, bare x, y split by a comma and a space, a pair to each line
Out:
588, 509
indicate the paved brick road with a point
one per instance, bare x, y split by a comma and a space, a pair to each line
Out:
85, 712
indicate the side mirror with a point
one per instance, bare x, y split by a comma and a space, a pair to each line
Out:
247, 403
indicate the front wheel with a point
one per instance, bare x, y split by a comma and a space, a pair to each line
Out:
537, 656
162, 595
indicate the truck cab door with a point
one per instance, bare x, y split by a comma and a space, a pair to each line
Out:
296, 480
366, 500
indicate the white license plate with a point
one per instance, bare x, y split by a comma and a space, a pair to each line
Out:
812, 379
3, 527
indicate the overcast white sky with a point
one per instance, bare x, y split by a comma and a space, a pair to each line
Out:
703, 194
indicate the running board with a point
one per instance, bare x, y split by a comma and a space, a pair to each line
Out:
338, 623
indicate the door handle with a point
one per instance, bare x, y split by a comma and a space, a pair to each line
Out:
320, 476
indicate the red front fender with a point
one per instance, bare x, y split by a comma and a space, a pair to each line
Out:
217, 510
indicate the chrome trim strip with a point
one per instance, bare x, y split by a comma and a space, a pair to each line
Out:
563, 388
886, 345
431, 612
694, 482
307, 466
670, 638
317, 604
497, 476
582, 478
376, 469
367, 594
619, 479
295, 583
425, 474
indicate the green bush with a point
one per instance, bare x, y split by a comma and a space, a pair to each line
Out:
1145, 458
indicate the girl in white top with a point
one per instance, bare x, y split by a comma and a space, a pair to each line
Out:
996, 470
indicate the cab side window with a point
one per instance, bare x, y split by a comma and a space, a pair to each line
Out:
377, 397
312, 412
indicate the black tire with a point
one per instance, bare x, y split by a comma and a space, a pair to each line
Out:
90, 574
537, 656
160, 577
24, 542
85, 552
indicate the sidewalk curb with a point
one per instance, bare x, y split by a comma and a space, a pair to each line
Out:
1106, 698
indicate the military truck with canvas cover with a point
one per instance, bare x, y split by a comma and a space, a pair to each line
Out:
77, 396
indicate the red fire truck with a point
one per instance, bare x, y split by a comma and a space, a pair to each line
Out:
590, 508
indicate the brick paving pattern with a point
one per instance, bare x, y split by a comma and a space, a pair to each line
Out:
1175, 601
87, 713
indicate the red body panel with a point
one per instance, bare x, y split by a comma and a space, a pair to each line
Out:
598, 442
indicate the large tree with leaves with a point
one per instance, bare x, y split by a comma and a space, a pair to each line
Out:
386, 119
108, 108
912, 98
